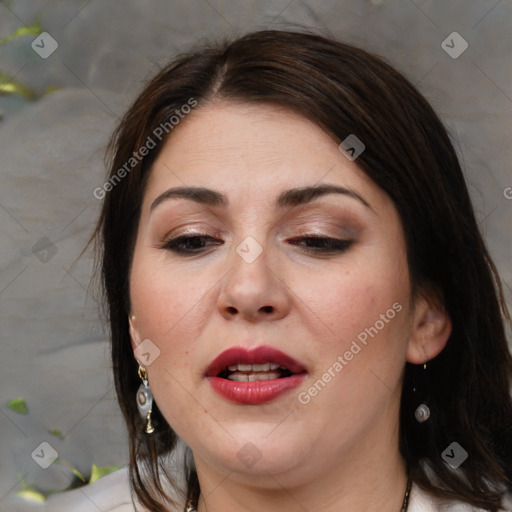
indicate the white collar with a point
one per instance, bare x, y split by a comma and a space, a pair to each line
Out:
112, 494
420, 501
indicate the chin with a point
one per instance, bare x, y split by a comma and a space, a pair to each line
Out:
252, 451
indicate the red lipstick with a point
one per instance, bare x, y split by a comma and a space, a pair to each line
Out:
254, 376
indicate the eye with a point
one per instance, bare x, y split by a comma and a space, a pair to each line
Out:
189, 244
320, 244
197, 243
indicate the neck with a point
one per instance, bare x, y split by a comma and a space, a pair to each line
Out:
370, 477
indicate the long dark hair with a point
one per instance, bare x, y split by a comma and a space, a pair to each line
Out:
408, 154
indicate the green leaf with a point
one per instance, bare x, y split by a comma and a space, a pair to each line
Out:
72, 469
56, 432
18, 404
97, 472
31, 495
52, 88
9, 86
23, 31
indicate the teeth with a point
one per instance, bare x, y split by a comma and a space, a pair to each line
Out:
261, 367
265, 367
252, 377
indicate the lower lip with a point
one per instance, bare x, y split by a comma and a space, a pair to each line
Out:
254, 393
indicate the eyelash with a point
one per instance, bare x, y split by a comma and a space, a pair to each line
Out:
334, 245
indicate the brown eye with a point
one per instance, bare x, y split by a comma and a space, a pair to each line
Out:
324, 244
187, 244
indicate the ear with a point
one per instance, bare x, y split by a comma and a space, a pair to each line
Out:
134, 335
430, 331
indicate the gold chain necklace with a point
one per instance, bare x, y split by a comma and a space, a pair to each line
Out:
405, 504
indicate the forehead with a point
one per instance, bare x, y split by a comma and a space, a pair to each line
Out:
254, 150
222, 131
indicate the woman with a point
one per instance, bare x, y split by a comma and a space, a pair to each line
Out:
297, 289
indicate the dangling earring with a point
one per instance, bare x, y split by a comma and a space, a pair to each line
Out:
145, 400
422, 412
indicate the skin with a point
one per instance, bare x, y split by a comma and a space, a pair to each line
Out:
340, 450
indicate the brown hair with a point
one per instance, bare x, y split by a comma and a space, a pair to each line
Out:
344, 90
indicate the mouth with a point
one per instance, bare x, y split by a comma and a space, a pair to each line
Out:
249, 365
254, 376
241, 372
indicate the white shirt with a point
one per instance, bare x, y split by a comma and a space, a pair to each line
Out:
112, 494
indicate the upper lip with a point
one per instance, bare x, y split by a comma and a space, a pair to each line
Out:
257, 355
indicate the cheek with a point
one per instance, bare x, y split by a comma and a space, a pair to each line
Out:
160, 297
167, 307
361, 353
352, 301
171, 308
360, 357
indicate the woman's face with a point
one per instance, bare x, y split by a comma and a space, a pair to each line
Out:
253, 277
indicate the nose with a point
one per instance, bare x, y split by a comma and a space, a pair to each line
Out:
253, 291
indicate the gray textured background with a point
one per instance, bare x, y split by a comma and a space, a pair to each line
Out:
54, 351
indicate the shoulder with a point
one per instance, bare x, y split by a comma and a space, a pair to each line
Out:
420, 501
507, 503
111, 493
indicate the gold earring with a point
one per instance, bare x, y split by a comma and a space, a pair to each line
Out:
145, 400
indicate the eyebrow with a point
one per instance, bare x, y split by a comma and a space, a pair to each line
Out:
288, 198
